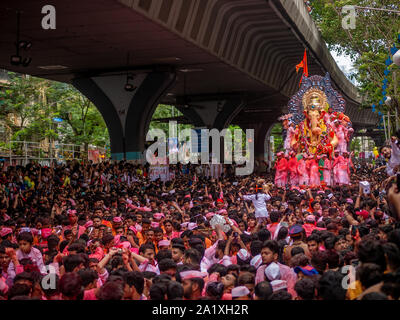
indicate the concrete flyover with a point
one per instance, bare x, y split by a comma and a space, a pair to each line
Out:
219, 61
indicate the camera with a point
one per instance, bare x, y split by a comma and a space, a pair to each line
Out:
235, 234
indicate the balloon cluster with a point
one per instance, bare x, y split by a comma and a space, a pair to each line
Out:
219, 220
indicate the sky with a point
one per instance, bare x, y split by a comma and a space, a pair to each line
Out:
345, 64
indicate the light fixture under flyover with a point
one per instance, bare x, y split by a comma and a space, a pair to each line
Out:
24, 44
188, 70
128, 86
26, 62
53, 67
15, 60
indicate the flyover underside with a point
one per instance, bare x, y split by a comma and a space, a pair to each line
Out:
234, 58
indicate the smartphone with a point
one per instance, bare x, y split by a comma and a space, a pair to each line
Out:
398, 181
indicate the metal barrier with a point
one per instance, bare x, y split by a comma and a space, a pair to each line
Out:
23, 152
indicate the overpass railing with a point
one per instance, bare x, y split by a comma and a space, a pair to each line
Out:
23, 152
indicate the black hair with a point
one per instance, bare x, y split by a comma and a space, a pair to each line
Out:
263, 290
375, 296
24, 276
135, 279
87, 276
263, 235
332, 259
319, 261
163, 254
193, 254
372, 251
233, 267
111, 290
271, 245
71, 285
146, 246
215, 289
275, 216
305, 289
166, 264
107, 239
25, 236
313, 237
158, 291
72, 261
296, 250
18, 290
281, 295
394, 237
179, 247
217, 267
245, 278
255, 247
369, 274
392, 254
330, 286
175, 291
76, 246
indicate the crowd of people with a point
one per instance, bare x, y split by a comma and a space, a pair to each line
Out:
313, 171
83, 231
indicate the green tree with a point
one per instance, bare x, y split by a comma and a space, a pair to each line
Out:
29, 105
368, 44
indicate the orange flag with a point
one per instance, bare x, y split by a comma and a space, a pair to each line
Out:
303, 64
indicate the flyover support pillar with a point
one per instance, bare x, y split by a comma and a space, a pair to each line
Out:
260, 133
127, 113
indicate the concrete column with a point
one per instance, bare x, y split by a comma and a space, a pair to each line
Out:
260, 133
127, 114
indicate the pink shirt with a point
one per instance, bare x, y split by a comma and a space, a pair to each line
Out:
89, 295
287, 274
35, 255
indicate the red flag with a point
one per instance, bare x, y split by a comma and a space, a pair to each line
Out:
303, 64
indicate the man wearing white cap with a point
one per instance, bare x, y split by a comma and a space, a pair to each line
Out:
193, 284
269, 254
273, 274
241, 293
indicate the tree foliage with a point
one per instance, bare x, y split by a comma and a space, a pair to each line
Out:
29, 106
368, 44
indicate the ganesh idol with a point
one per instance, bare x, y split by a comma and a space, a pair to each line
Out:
316, 132
313, 135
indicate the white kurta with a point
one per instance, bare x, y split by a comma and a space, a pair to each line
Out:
394, 159
259, 201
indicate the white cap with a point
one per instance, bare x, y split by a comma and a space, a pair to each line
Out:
272, 272
256, 261
240, 292
278, 285
243, 254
